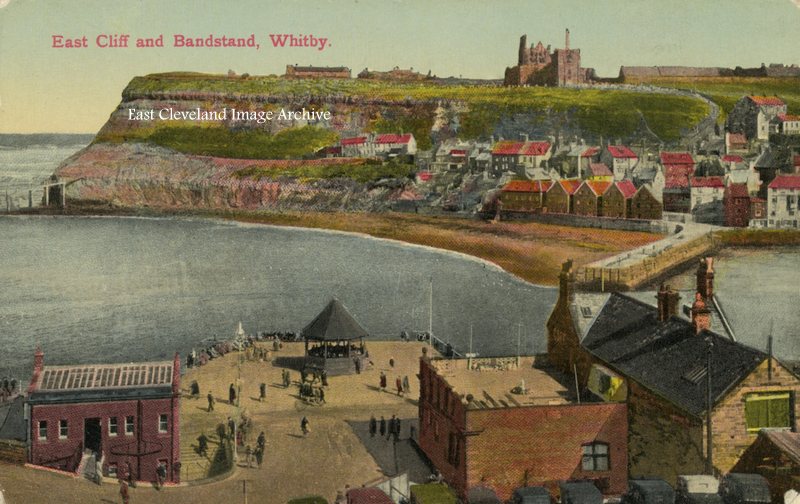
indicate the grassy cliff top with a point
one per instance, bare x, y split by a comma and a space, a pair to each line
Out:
611, 113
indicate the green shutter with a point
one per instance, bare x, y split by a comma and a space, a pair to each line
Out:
767, 410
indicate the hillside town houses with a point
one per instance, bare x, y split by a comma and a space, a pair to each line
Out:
728, 185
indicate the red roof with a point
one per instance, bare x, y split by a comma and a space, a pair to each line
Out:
424, 176
507, 148
535, 148
676, 176
729, 158
785, 182
569, 185
372, 495
713, 182
737, 138
676, 158
599, 170
354, 141
591, 151
788, 117
393, 139
620, 151
626, 187
528, 186
598, 187
766, 100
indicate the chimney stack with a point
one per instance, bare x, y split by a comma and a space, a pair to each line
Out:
705, 278
668, 300
701, 315
566, 288
38, 365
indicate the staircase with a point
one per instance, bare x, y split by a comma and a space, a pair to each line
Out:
88, 466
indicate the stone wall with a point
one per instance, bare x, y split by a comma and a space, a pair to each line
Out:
630, 277
12, 451
730, 435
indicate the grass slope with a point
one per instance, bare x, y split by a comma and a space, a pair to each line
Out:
601, 112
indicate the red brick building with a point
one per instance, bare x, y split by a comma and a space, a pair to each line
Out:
737, 205
478, 432
644, 205
588, 198
559, 197
617, 199
124, 415
524, 196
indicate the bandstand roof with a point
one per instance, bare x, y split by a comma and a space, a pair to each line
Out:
334, 323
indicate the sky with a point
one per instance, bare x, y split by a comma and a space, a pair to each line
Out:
58, 89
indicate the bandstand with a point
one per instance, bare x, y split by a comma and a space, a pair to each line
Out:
335, 342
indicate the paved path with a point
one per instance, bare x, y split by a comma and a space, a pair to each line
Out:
333, 455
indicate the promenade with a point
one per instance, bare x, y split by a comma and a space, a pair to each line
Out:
337, 452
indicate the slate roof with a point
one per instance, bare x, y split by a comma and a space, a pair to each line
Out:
333, 323
79, 383
668, 358
12, 420
787, 442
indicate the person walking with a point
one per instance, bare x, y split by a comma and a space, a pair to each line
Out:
262, 392
202, 445
397, 428
261, 441
322, 395
383, 426
304, 426
373, 426
383, 381
406, 385
210, 402
391, 362
123, 492
324, 377
259, 456
390, 430
248, 453
399, 385
231, 394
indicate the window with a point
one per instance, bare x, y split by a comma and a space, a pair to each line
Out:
163, 423
63, 429
43, 430
113, 427
129, 426
112, 470
768, 410
595, 457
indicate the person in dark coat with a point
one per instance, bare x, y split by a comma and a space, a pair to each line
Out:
383, 427
304, 426
324, 376
397, 427
262, 392
399, 385
259, 456
321, 395
392, 427
383, 380
373, 426
202, 445
261, 442
231, 394
231, 427
210, 402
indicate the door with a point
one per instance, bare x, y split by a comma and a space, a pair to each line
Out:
92, 435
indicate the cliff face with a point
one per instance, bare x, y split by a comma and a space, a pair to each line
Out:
142, 175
